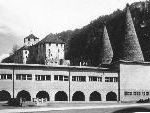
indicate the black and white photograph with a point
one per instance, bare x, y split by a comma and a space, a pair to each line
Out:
74, 56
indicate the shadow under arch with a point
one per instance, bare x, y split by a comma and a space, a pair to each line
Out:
95, 96
4, 95
61, 96
78, 96
24, 95
111, 96
42, 94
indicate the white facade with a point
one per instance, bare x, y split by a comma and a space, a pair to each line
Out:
54, 53
30, 41
64, 83
134, 81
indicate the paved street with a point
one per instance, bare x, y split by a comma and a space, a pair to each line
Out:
83, 109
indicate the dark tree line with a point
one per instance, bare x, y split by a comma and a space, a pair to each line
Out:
84, 44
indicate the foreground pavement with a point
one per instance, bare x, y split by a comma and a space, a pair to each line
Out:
59, 108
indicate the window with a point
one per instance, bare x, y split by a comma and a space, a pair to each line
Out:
48, 77
61, 77
56, 44
49, 44
23, 76
55, 77
79, 78
127, 93
95, 78
29, 77
42, 77
9, 76
3, 76
18, 77
28, 39
111, 79
65, 78
147, 93
82, 78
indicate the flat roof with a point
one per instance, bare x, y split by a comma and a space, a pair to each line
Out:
133, 62
55, 67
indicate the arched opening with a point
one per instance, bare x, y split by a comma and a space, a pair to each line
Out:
4, 95
42, 94
61, 96
78, 96
24, 95
111, 96
95, 96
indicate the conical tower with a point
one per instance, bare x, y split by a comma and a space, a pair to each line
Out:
131, 47
106, 50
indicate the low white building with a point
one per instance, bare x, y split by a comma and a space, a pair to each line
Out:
122, 81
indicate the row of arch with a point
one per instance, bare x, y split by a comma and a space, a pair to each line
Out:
59, 96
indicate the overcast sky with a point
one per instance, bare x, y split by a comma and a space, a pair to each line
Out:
19, 18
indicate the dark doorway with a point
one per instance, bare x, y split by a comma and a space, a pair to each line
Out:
95, 96
111, 96
24, 95
4, 95
61, 96
42, 94
78, 96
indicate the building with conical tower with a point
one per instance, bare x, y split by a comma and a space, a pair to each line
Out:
131, 47
106, 50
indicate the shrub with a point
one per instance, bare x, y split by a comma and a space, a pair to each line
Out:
13, 102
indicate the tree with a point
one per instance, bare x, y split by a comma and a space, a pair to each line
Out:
14, 49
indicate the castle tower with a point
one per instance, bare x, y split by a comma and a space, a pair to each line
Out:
131, 47
106, 50
30, 40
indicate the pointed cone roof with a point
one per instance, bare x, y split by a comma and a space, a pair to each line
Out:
106, 50
131, 47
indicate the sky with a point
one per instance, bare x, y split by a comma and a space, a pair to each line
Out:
20, 18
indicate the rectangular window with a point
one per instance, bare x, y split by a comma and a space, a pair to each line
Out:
23, 77
48, 77
94, 78
29, 77
18, 76
79, 78
9, 76
100, 79
73, 78
147, 93
106, 79
36, 77
42, 77
83, 78
55, 77
3, 76
61, 77
65, 78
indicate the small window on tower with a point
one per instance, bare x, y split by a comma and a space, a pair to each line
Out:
28, 39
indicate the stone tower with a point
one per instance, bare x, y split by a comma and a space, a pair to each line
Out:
106, 50
131, 47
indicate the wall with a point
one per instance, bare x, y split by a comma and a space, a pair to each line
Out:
54, 52
53, 86
134, 79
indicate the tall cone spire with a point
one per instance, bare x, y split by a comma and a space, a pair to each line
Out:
106, 51
132, 50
